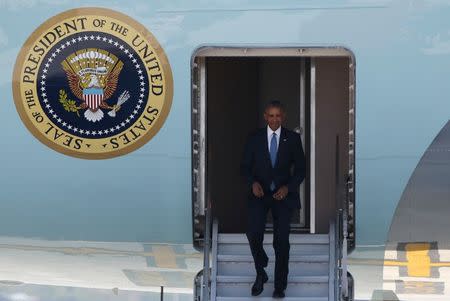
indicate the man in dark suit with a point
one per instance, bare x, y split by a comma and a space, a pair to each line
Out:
273, 166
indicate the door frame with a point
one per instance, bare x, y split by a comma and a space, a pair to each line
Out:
198, 118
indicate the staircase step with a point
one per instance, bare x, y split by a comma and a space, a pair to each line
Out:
291, 279
270, 298
297, 290
308, 268
296, 249
268, 238
296, 268
292, 258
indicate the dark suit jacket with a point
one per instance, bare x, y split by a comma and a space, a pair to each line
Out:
290, 166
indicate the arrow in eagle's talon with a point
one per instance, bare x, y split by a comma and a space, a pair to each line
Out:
121, 100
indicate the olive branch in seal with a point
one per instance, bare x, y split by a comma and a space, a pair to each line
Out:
68, 104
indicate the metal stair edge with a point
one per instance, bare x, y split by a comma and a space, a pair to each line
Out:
323, 258
307, 239
291, 279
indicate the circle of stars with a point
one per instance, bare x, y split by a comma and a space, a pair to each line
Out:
122, 48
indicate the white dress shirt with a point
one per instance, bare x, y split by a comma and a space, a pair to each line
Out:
269, 136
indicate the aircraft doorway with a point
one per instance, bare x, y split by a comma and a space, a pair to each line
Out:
231, 88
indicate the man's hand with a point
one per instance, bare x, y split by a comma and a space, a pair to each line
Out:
257, 190
281, 193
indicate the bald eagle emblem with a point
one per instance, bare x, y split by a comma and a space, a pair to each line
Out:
93, 75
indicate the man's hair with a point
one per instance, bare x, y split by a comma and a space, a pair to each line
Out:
275, 104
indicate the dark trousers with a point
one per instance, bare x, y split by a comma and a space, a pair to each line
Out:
257, 214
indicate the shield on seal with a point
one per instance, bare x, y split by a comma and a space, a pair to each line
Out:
93, 98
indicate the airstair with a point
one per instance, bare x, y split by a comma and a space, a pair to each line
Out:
317, 266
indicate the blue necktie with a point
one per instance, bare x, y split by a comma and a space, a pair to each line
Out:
273, 154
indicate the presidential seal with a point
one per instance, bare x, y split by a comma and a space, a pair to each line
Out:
92, 83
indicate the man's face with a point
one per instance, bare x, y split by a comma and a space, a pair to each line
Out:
274, 117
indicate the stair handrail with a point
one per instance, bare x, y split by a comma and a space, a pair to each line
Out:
205, 296
344, 253
332, 274
340, 226
198, 281
341, 276
214, 251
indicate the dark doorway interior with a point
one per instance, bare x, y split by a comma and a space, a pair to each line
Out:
237, 91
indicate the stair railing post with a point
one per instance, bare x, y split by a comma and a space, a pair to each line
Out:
215, 237
332, 262
198, 281
206, 250
344, 256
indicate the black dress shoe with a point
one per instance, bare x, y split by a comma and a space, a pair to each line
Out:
258, 286
278, 294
